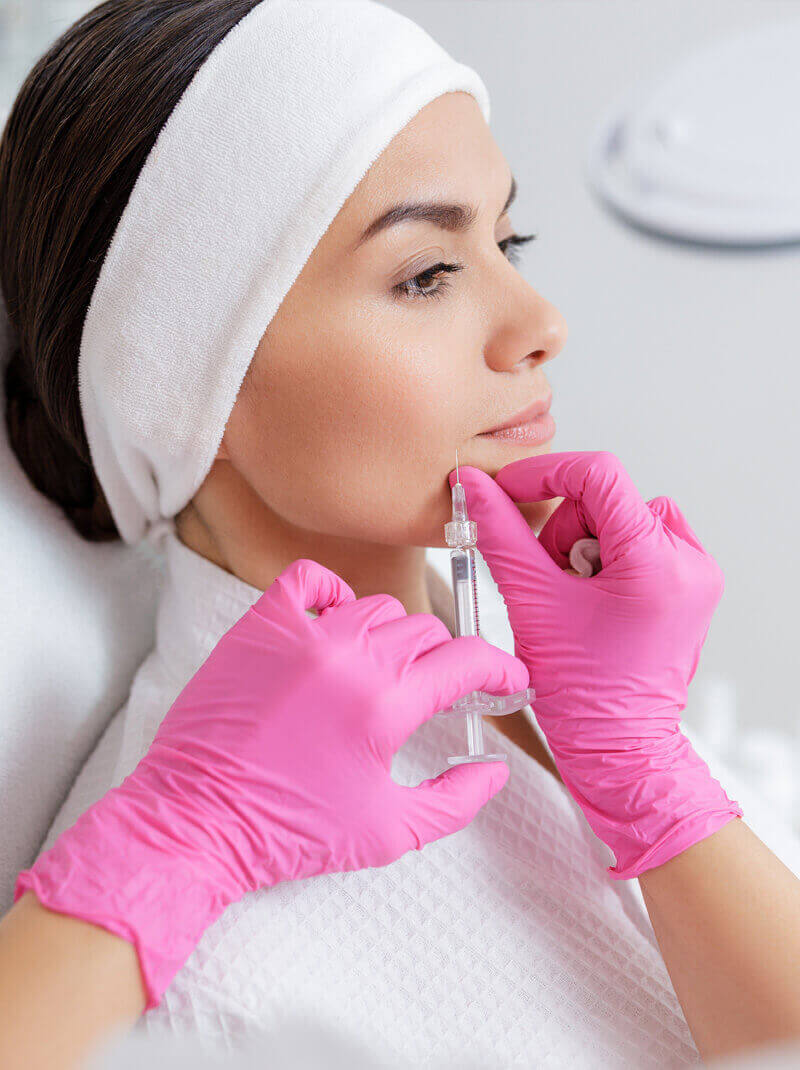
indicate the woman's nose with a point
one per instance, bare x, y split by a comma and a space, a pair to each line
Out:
532, 332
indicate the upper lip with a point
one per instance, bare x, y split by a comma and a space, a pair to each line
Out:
525, 416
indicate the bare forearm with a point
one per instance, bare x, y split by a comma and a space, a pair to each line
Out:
64, 985
726, 913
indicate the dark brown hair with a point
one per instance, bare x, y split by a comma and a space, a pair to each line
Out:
79, 132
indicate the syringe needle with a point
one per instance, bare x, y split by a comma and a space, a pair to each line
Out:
457, 479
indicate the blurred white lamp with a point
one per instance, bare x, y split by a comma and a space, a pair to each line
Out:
712, 153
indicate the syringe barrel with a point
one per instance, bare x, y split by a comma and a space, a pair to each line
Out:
465, 598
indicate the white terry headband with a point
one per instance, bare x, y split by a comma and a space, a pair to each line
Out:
271, 136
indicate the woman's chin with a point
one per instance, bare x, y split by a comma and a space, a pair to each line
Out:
491, 461
491, 455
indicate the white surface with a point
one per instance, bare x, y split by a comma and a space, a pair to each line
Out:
75, 619
298, 1046
75, 622
712, 152
291, 1048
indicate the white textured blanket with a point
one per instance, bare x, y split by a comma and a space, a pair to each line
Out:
503, 945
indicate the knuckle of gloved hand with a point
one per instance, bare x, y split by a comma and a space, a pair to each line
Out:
293, 576
604, 459
300, 569
605, 462
395, 603
435, 628
388, 601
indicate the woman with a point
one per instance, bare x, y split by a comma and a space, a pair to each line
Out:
398, 340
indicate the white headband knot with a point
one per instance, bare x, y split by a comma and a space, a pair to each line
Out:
271, 136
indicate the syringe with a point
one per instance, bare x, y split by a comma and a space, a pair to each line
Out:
461, 535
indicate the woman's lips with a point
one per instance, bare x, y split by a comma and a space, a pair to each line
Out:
532, 426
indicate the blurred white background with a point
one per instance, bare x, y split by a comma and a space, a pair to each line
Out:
683, 360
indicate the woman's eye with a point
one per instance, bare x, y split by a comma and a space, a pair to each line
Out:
420, 285
510, 245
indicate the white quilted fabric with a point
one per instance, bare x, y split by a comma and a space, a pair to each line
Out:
503, 945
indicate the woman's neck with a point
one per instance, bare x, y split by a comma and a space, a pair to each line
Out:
256, 546
241, 535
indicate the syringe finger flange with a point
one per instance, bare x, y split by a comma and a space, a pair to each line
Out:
489, 705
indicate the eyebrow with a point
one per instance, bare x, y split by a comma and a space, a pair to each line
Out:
453, 217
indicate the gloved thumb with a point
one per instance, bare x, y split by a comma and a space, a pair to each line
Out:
448, 802
510, 548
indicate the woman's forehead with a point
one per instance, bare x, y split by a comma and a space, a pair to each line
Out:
446, 153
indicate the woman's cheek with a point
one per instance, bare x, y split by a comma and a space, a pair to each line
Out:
358, 446
366, 480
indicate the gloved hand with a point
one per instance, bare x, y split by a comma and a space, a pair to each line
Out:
273, 764
610, 656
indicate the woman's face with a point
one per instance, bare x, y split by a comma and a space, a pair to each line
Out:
369, 378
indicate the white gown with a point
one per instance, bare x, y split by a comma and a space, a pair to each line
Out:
503, 945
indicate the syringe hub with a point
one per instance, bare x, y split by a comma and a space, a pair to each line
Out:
460, 531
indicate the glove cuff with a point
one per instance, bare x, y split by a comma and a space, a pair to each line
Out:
648, 803
127, 873
679, 838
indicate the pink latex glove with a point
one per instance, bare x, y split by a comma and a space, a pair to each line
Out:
273, 764
610, 656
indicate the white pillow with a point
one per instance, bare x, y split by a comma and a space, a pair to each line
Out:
76, 620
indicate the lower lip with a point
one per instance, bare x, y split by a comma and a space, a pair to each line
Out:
540, 429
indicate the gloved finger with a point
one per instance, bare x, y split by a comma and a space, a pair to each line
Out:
303, 585
598, 481
563, 528
402, 641
450, 671
368, 612
510, 548
448, 802
673, 518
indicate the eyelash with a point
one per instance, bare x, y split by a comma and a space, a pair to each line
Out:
404, 289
